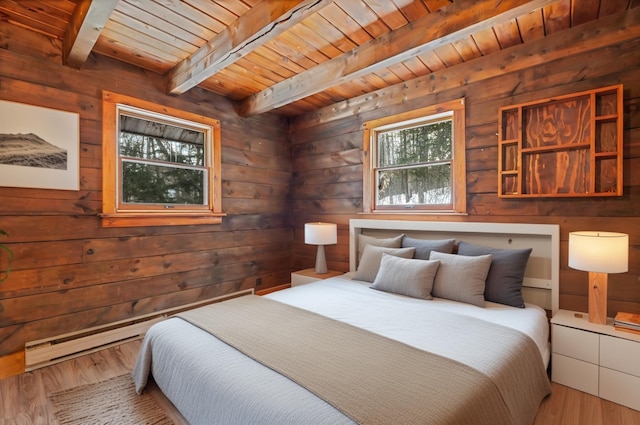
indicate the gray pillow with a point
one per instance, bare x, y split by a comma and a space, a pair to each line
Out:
461, 278
394, 242
370, 262
425, 246
504, 280
405, 276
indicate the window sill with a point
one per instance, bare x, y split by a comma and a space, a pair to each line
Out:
159, 219
415, 212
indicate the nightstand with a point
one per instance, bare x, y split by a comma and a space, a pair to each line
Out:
309, 275
596, 359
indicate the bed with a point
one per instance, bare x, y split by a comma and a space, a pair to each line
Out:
372, 346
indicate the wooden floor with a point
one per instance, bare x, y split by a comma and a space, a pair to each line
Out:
23, 398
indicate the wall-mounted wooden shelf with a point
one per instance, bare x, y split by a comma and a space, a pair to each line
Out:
567, 146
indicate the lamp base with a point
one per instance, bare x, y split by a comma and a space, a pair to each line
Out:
321, 261
598, 298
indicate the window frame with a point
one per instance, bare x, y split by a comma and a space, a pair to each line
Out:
115, 214
458, 161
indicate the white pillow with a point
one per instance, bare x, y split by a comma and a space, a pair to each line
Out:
461, 278
370, 261
404, 276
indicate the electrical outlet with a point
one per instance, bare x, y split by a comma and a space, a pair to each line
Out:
258, 281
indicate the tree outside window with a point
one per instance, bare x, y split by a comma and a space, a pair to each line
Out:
161, 166
416, 161
158, 168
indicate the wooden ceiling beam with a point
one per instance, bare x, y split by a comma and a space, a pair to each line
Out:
598, 34
86, 24
263, 22
457, 20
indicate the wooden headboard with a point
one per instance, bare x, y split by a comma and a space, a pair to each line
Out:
541, 279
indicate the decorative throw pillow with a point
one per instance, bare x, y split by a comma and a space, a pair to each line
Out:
461, 278
394, 242
370, 261
405, 276
504, 280
425, 246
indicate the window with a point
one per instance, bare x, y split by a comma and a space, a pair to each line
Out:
161, 166
416, 161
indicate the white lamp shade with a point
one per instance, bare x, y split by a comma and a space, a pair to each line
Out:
320, 233
600, 252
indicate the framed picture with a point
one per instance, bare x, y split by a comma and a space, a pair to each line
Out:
39, 147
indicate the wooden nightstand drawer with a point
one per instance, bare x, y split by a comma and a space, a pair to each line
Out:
575, 373
621, 355
575, 343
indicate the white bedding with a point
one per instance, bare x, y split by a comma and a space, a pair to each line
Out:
400, 318
212, 383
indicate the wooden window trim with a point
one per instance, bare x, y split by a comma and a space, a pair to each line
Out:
111, 215
458, 163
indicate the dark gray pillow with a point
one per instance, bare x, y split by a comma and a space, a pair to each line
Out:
406, 276
460, 277
425, 246
504, 280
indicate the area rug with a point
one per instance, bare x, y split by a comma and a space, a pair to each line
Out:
109, 402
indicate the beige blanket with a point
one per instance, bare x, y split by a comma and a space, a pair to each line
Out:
375, 380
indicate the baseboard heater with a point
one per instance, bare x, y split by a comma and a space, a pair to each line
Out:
48, 351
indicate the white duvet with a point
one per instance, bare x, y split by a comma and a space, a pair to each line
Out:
212, 383
402, 318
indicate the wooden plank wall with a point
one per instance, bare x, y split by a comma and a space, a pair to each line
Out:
327, 148
70, 273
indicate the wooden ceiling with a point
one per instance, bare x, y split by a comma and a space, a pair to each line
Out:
295, 56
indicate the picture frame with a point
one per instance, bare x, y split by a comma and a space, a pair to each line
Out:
39, 147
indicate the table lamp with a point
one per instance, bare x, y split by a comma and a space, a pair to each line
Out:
598, 253
320, 234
